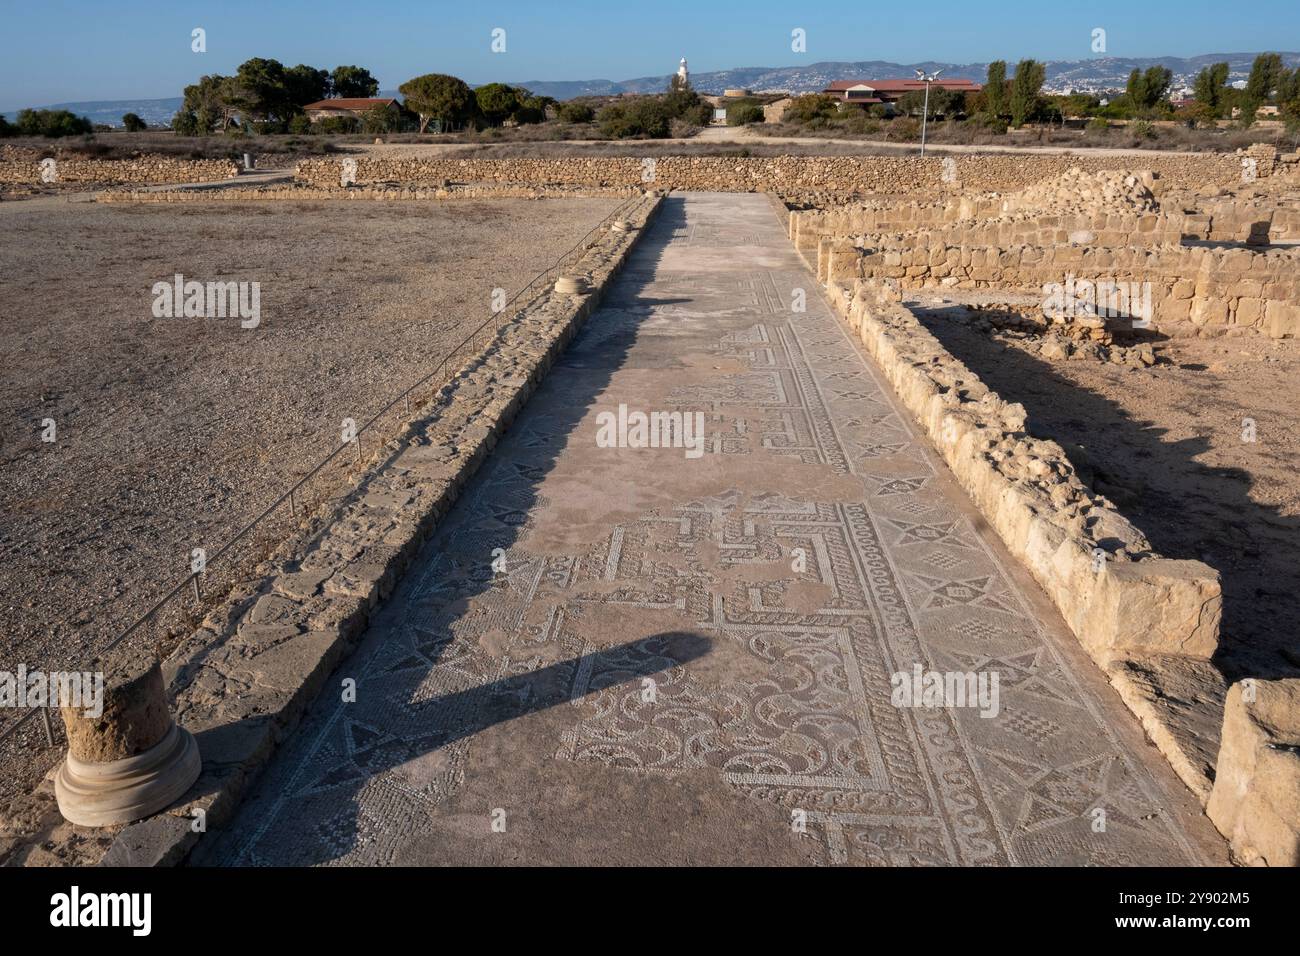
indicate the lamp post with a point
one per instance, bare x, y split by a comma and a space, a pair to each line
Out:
928, 78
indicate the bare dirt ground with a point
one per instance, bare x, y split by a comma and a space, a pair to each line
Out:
174, 433
1167, 444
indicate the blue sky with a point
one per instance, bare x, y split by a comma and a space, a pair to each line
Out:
67, 50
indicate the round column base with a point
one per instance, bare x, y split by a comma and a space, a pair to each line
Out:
123, 791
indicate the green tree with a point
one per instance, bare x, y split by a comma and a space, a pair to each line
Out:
260, 90
438, 96
305, 84
532, 109
942, 102
1079, 104
809, 107
497, 102
681, 101
1025, 86
52, 123
995, 89
576, 111
645, 117
208, 104
744, 114
380, 119
353, 82
1208, 91
133, 123
1288, 94
1146, 89
1265, 74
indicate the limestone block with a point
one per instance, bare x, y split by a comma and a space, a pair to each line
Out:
1255, 802
1155, 606
1209, 311
1282, 320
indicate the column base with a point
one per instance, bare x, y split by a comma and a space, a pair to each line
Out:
123, 791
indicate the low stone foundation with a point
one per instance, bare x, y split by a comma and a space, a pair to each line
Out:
142, 170
1115, 593
299, 193
834, 174
1207, 288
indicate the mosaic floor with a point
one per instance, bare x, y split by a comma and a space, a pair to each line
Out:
632, 655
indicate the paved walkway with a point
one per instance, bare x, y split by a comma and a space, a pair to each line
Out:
688, 659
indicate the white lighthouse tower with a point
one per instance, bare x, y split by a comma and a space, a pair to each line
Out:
683, 77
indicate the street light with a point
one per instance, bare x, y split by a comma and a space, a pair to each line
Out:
925, 110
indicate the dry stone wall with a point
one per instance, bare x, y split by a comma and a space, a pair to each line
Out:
1209, 290
1115, 593
835, 174
300, 193
141, 170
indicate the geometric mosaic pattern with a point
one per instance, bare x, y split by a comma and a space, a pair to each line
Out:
710, 645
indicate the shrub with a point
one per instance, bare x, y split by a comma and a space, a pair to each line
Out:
575, 111
988, 123
1097, 124
645, 118
906, 129
858, 123
133, 123
300, 124
381, 119
336, 124
1142, 129
52, 123
813, 106
744, 114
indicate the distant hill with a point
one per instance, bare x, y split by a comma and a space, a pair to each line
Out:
1094, 75
153, 112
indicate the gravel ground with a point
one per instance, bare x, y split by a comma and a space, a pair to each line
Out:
174, 433
1167, 445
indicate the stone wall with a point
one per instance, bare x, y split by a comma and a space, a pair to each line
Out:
1115, 593
979, 221
1209, 288
141, 170
836, 174
297, 192
1151, 229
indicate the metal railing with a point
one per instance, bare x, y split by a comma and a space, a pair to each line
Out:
437, 377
